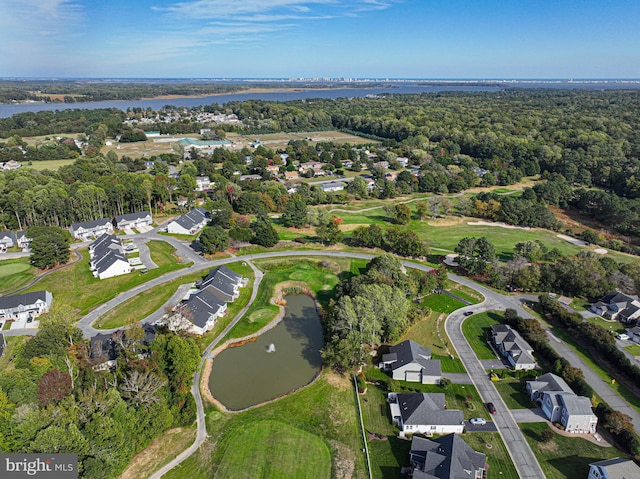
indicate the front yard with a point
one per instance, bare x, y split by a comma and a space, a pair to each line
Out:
475, 329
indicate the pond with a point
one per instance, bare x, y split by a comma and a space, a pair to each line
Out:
279, 361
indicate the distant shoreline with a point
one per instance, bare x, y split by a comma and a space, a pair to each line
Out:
248, 90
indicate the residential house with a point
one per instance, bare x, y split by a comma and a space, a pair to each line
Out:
225, 283
203, 183
189, 223
403, 160
291, 175
107, 258
560, 404
199, 314
332, 186
250, 177
25, 306
91, 229
273, 169
447, 457
204, 146
23, 240
615, 305
3, 344
133, 220
424, 413
104, 349
408, 361
634, 334
7, 239
512, 346
616, 468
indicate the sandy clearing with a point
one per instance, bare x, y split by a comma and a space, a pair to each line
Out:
499, 224
574, 241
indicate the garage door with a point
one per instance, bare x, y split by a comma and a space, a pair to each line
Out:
413, 376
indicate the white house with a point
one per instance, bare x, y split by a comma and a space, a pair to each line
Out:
133, 220
424, 413
199, 314
560, 404
616, 468
332, 186
23, 240
513, 347
7, 238
91, 229
625, 308
408, 361
189, 223
107, 258
25, 306
225, 282
203, 183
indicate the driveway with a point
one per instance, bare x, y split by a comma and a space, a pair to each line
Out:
145, 254
528, 415
490, 426
458, 378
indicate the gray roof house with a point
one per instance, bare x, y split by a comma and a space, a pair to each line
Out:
615, 305
616, 468
189, 223
25, 306
512, 346
3, 344
225, 282
560, 404
198, 315
408, 361
107, 257
447, 457
133, 220
91, 229
424, 413
7, 238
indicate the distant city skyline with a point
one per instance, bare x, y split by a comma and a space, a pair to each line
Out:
363, 39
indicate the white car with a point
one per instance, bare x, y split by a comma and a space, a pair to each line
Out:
622, 336
478, 421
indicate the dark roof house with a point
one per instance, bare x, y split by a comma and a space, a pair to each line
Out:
512, 346
620, 306
408, 361
424, 413
189, 223
26, 305
7, 238
224, 281
93, 228
447, 457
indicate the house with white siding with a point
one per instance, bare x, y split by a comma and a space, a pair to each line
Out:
24, 306
424, 413
408, 361
190, 223
91, 229
133, 220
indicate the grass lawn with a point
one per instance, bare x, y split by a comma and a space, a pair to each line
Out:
75, 286
430, 333
16, 273
633, 349
321, 417
513, 392
291, 452
442, 303
48, 164
475, 329
565, 457
466, 293
500, 463
161, 450
320, 280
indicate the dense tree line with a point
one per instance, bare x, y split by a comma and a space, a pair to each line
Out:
55, 401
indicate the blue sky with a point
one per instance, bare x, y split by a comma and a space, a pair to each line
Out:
315, 38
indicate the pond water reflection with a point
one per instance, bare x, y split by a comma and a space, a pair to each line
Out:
280, 360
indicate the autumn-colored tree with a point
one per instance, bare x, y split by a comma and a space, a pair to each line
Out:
53, 386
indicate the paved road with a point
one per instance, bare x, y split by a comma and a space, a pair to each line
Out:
523, 458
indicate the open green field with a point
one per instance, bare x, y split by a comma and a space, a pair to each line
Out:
280, 140
475, 329
442, 303
16, 273
75, 286
322, 416
565, 457
291, 452
319, 280
138, 149
48, 164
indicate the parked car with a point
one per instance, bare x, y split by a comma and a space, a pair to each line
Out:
478, 421
468, 313
491, 408
623, 336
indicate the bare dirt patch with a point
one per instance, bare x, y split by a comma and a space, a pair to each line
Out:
448, 221
343, 461
339, 382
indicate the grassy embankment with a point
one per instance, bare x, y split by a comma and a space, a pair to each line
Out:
75, 286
